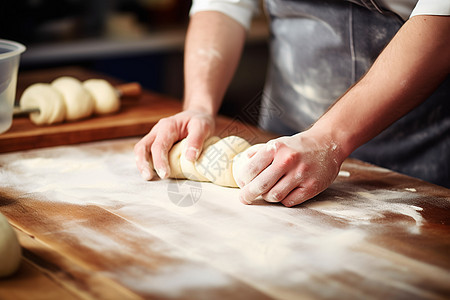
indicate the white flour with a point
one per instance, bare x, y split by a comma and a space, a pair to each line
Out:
275, 249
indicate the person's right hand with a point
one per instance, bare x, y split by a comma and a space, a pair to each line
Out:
151, 152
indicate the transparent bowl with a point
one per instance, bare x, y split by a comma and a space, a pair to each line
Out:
9, 65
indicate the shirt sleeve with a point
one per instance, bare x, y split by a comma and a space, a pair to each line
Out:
432, 7
240, 10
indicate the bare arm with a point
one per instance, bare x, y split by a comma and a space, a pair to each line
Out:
409, 69
295, 169
213, 47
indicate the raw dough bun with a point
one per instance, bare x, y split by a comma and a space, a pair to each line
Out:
174, 160
240, 160
10, 251
215, 162
188, 167
106, 100
180, 167
49, 101
79, 103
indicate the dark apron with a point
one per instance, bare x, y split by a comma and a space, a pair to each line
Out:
319, 48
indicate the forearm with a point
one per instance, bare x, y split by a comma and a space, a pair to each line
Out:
409, 69
213, 47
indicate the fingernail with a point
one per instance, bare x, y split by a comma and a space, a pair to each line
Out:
191, 153
146, 174
161, 173
272, 199
243, 200
290, 203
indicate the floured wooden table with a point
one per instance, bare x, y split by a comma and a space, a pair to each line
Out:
91, 228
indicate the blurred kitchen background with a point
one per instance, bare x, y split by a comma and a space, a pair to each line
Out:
133, 40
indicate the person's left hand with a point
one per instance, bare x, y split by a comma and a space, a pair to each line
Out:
290, 169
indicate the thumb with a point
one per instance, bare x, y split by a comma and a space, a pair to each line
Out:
198, 131
194, 144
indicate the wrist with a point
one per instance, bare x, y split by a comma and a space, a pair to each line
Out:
336, 138
201, 104
202, 109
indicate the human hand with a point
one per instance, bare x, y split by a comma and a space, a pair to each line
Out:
289, 170
151, 152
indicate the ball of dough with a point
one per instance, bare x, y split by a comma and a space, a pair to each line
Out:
174, 160
188, 167
239, 163
215, 162
50, 102
79, 103
180, 167
106, 100
10, 251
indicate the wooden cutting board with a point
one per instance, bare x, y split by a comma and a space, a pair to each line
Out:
135, 117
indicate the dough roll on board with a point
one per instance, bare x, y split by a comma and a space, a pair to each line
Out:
215, 164
68, 99
105, 97
79, 102
52, 108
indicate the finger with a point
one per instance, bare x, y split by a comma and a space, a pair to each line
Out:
281, 189
258, 162
301, 194
164, 140
250, 152
198, 131
261, 184
143, 158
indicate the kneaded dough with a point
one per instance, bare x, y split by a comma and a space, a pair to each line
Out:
52, 108
188, 167
106, 100
180, 167
239, 163
79, 103
214, 163
174, 160
10, 251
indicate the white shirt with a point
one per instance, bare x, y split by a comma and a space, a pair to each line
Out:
243, 10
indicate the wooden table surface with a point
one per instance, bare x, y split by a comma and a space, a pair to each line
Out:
91, 228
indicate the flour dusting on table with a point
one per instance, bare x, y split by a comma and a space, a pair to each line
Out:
275, 249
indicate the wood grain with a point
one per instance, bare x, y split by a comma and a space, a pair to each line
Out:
91, 228
374, 233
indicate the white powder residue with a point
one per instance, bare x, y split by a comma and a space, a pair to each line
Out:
361, 207
175, 281
216, 240
343, 173
208, 55
411, 190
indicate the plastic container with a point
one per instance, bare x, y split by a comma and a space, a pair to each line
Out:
9, 65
